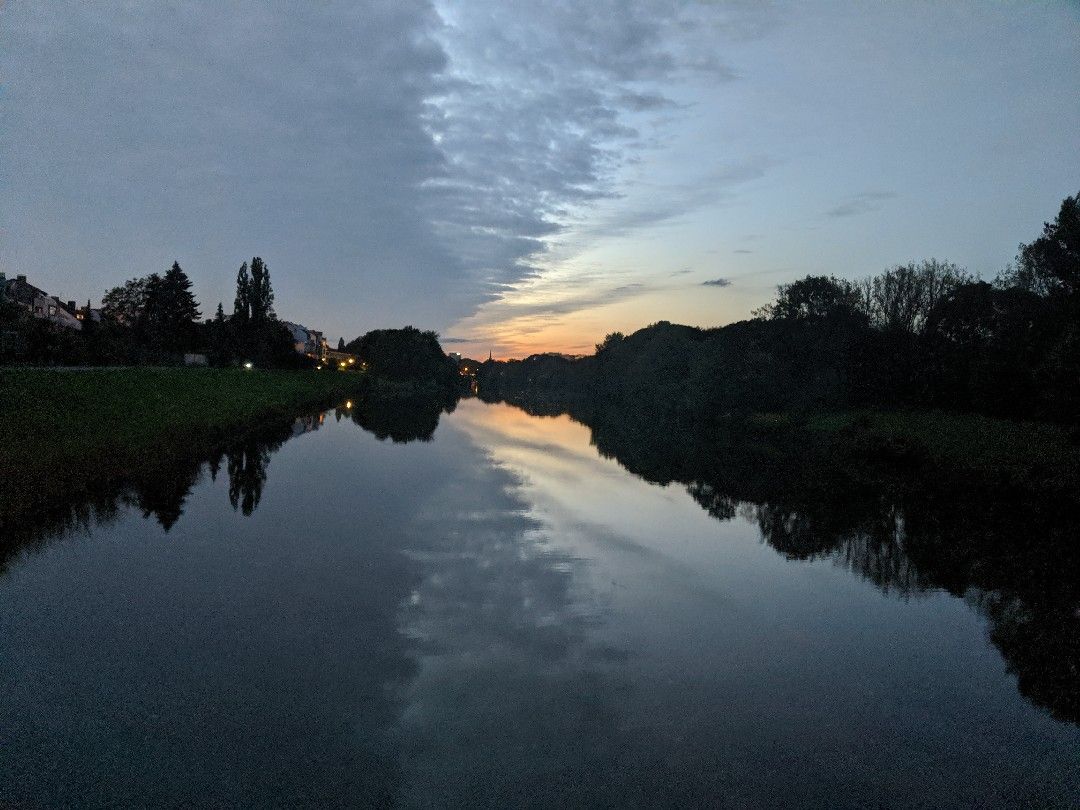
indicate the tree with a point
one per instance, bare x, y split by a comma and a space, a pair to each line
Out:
169, 315
341, 344
151, 316
1052, 262
261, 294
406, 354
242, 302
983, 347
125, 304
901, 298
610, 343
814, 298
181, 308
219, 346
255, 332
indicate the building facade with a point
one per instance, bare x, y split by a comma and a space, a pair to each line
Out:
306, 341
40, 304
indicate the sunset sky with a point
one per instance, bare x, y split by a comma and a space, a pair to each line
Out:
527, 176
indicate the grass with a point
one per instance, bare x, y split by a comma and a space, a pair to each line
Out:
65, 432
1017, 453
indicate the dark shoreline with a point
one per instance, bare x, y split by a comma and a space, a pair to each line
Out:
65, 436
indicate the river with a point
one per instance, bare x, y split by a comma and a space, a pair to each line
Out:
367, 609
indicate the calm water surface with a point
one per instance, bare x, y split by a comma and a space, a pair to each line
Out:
498, 616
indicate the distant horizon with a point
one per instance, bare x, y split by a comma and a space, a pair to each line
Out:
528, 179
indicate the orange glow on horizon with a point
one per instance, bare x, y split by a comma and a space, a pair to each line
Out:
514, 340
538, 320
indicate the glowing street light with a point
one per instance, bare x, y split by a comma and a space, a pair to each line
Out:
249, 365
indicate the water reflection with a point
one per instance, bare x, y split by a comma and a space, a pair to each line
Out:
233, 647
1011, 554
495, 613
246, 467
401, 419
514, 703
160, 489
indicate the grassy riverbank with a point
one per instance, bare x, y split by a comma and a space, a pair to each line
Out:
64, 432
963, 449
1021, 455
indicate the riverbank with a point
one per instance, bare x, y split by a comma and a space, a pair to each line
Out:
1026, 456
63, 434
1014, 458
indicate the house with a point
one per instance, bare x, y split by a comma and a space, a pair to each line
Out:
88, 313
62, 314
40, 304
306, 341
20, 291
341, 359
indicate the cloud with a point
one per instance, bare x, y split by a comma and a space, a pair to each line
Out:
742, 251
860, 204
217, 132
563, 305
717, 282
667, 202
414, 158
535, 123
640, 102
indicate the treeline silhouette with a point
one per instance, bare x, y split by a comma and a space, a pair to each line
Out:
409, 361
155, 319
921, 335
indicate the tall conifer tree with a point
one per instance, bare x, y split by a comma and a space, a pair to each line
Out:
181, 308
242, 302
262, 294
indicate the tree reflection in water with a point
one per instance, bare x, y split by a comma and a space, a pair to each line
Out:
400, 419
161, 489
262, 673
1011, 554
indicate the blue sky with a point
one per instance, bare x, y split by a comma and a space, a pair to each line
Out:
527, 176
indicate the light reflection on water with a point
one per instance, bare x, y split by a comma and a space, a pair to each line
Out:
496, 614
